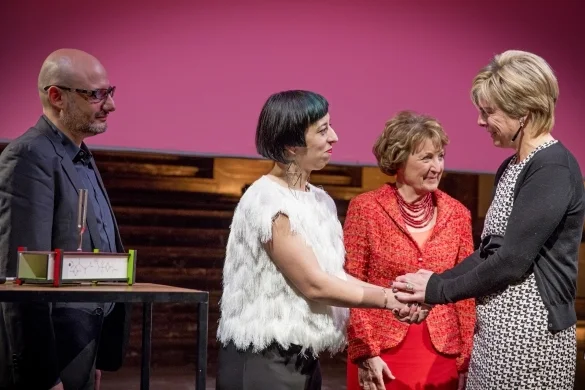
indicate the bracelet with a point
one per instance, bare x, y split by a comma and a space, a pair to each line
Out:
385, 298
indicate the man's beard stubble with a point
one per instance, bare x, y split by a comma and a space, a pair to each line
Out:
75, 120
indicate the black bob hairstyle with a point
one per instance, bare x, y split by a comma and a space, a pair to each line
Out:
284, 119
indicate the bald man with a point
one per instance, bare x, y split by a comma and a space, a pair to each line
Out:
61, 345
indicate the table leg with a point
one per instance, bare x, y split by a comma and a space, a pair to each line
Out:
146, 339
202, 346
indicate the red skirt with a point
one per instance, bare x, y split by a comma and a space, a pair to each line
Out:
415, 363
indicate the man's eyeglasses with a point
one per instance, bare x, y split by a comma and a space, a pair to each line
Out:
97, 95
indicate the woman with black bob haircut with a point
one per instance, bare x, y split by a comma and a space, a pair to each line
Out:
285, 293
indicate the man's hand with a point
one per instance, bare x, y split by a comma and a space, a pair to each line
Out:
372, 373
58, 387
98, 379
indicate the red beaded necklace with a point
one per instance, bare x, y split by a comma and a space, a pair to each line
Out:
416, 214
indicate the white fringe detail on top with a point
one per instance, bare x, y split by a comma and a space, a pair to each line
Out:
259, 305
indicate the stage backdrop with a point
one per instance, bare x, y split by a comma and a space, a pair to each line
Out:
192, 75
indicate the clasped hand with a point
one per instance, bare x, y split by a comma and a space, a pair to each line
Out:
410, 290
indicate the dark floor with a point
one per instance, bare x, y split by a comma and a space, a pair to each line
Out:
183, 378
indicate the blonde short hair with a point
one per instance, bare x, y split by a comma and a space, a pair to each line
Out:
403, 135
519, 83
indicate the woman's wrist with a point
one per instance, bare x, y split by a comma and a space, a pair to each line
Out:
385, 305
364, 362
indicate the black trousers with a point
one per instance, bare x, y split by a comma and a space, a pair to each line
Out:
271, 369
76, 333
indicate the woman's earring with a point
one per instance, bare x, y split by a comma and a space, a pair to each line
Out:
293, 176
521, 120
293, 170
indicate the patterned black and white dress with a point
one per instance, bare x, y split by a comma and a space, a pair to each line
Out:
513, 348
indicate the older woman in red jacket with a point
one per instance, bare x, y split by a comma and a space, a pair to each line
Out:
400, 228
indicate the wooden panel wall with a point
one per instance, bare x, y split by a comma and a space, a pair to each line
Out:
176, 211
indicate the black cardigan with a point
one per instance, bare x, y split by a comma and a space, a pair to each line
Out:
543, 235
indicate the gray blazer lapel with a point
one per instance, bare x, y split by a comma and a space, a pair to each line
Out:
73, 177
91, 220
119, 246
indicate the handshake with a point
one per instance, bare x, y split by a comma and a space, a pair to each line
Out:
409, 291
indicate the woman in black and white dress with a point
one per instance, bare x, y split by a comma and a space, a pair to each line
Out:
524, 273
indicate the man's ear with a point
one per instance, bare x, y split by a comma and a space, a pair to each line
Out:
56, 97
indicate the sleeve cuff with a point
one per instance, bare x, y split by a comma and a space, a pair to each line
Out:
363, 351
433, 293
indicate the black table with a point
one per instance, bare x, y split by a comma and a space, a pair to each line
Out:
144, 293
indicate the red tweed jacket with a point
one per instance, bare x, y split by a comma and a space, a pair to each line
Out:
379, 248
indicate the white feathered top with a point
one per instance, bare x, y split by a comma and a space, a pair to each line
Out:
259, 305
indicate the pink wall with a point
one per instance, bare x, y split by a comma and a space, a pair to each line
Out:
192, 75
